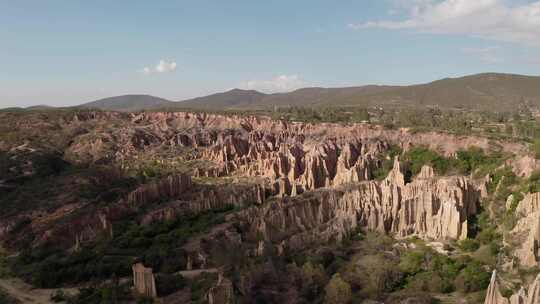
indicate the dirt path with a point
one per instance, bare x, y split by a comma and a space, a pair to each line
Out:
25, 293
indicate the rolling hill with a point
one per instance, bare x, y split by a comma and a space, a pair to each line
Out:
482, 92
232, 98
503, 92
128, 103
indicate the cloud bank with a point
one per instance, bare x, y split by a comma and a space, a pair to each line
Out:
162, 67
281, 83
488, 19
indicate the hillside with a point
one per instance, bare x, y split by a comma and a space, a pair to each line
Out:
482, 91
127, 103
232, 98
504, 92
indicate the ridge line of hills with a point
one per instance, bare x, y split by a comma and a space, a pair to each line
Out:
487, 91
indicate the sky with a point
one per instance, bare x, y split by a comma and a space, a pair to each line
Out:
60, 52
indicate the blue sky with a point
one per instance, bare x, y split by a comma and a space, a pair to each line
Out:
69, 52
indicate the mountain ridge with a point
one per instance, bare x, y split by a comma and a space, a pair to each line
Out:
485, 91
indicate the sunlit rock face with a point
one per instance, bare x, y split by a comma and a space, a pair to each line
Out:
144, 281
530, 295
525, 236
493, 294
428, 207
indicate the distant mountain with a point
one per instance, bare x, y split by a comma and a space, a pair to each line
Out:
482, 92
319, 96
232, 98
489, 91
128, 103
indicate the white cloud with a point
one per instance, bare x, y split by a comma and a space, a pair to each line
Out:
488, 19
281, 83
487, 54
162, 67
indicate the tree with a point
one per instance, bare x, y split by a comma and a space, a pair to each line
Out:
314, 278
338, 291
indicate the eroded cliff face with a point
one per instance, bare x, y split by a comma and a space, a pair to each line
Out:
530, 295
260, 146
166, 199
428, 207
493, 294
288, 186
525, 236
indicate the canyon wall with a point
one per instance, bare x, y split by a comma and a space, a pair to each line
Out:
428, 207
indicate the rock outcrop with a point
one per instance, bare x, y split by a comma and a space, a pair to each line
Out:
525, 236
222, 292
171, 187
429, 207
529, 296
144, 281
493, 294
209, 197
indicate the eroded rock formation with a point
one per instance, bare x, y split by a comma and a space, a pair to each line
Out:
525, 236
493, 294
222, 292
171, 187
144, 281
429, 207
529, 296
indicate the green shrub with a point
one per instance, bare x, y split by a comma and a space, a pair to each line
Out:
468, 245
418, 157
411, 262
338, 291
472, 278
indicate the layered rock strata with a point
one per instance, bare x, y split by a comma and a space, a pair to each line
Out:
222, 292
529, 296
429, 207
171, 187
144, 281
525, 236
493, 294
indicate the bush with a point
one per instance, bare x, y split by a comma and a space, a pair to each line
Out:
430, 281
472, 278
381, 274
468, 245
313, 280
419, 156
411, 262
338, 291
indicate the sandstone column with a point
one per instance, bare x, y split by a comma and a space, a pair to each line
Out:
144, 281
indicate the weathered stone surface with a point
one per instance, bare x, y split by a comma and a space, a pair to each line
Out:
493, 294
525, 236
204, 198
523, 166
519, 298
222, 292
144, 281
533, 293
170, 187
431, 208
529, 296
